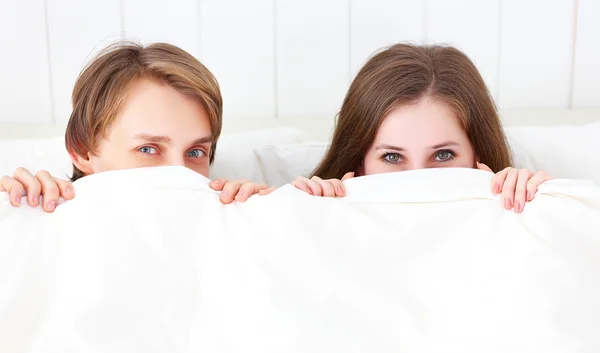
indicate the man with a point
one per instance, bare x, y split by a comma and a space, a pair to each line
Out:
136, 106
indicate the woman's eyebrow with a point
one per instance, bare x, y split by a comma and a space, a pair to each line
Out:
389, 147
400, 149
444, 144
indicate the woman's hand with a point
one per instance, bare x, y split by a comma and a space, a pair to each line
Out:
517, 186
319, 187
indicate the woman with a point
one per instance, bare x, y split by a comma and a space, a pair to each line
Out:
413, 107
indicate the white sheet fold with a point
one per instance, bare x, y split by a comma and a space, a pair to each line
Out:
148, 260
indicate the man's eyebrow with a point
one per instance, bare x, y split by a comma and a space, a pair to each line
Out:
203, 140
167, 140
153, 138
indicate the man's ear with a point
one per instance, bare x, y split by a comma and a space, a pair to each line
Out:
82, 163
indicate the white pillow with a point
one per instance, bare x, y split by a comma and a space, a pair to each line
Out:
563, 151
281, 164
569, 152
235, 158
35, 154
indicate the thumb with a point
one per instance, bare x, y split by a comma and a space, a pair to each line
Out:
348, 176
482, 166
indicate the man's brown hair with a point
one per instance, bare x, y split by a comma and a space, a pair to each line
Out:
102, 86
404, 74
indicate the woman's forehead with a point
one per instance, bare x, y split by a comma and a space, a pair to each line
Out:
426, 121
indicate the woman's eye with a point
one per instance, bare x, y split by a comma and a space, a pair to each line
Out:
148, 150
392, 157
195, 153
443, 156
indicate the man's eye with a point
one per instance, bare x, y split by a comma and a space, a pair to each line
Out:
196, 153
148, 150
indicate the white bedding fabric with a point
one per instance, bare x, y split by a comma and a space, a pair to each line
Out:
148, 260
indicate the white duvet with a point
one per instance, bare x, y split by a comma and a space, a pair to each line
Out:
148, 260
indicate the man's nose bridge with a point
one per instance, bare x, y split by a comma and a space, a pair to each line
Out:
175, 160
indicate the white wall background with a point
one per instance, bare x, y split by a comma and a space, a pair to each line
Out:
295, 59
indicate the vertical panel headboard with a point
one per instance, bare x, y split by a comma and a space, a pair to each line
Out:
287, 62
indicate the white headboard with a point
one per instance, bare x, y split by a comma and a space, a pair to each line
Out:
289, 63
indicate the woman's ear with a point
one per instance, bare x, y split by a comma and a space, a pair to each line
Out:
360, 171
82, 163
482, 166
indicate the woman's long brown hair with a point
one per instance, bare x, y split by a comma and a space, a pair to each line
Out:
403, 74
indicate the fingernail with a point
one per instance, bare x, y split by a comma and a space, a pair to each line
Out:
529, 196
517, 206
34, 200
217, 181
225, 195
51, 205
17, 201
507, 204
339, 191
68, 191
240, 193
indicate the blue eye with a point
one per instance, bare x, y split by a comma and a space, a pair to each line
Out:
196, 153
444, 156
148, 150
392, 157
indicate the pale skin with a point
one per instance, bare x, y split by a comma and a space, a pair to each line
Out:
428, 134
157, 126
